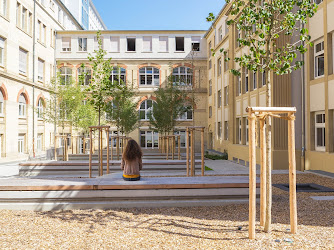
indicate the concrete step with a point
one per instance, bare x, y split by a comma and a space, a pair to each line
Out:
111, 192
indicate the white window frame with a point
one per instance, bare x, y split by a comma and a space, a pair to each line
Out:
40, 75
145, 108
154, 138
195, 42
65, 40
3, 8
163, 43
147, 44
40, 108
179, 50
318, 55
127, 44
23, 64
182, 134
321, 126
187, 116
82, 44
2, 51
87, 71
118, 73
96, 44
147, 75
66, 75
22, 106
21, 143
220, 33
183, 73
115, 44
2, 104
39, 142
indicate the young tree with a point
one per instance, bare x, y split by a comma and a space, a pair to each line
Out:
122, 110
100, 88
261, 24
171, 102
84, 117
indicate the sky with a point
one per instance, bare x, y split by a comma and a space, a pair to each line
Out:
157, 14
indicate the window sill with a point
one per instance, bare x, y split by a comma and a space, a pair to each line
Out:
66, 51
147, 52
130, 51
114, 52
149, 86
25, 32
22, 117
40, 119
85, 51
43, 44
179, 52
163, 51
23, 74
5, 17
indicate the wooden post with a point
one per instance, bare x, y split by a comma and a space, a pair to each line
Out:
101, 153
202, 150
72, 143
55, 142
167, 153
292, 173
90, 152
187, 150
252, 175
107, 130
84, 145
192, 152
173, 146
263, 173
117, 147
65, 148
112, 148
179, 147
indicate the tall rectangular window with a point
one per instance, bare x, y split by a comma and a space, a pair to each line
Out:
147, 44
320, 135
23, 58
219, 66
226, 28
254, 80
40, 70
18, 9
195, 43
219, 98
239, 131
239, 85
210, 87
60, 16
43, 32
3, 7
210, 47
20, 144
39, 142
210, 111
82, 42
2, 51
226, 95
131, 44
319, 60
114, 44
220, 33
39, 27
247, 131
29, 24
264, 80
66, 44
163, 43
226, 130
96, 43
219, 130
226, 61
24, 18
246, 81
179, 42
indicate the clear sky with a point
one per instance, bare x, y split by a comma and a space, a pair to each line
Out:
157, 14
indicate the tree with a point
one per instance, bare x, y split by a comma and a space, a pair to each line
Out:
171, 102
122, 109
261, 23
101, 87
85, 116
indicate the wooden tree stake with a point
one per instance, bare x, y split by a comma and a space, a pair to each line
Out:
263, 172
90, 152
187, 151
252, 176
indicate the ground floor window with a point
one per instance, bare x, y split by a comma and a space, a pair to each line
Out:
39, 142
182, 134
226, 130
21, 144
113, 140
320, 143
149, 139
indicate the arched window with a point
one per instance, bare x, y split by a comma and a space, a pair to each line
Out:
118, 75
183, 76
84, 75
40, 108
65, 75
144, 109
1, 103
22, 105
149, 76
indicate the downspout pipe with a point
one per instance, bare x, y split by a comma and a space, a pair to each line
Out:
33, 80
55, 75
303, 111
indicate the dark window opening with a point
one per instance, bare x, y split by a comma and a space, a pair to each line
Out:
195, 46
131, 44
179, 43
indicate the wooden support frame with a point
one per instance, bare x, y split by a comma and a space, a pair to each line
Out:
261, 113
191, 131
65, 149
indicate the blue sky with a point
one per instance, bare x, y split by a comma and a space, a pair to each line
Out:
157, 14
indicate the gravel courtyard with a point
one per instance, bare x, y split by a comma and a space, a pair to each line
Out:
174, 228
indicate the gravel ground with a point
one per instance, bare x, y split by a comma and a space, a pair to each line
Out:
174, 228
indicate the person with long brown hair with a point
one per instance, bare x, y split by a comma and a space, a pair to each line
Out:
132, 161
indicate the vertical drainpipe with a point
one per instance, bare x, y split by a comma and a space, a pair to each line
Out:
303, 111
55, 75
33, 80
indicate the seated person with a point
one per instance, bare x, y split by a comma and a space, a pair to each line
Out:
131, 161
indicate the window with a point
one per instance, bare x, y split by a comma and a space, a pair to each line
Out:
84, 75
220, 33
264, 78
163, 43
210, 47
226, 130
145, 109
219, 130
131, 44
65, 76
238, 130
210, 64
21, 144
18, 9
210, 111
219, 98
147, 44
39, 24
188, 115
52, 5
226, 62
29, 24
39, 142
52, 38
219, 66
23, 58
40, 70
210, 87
2, 51
182, 75
195, 43
118, 75
149, 139
40, 107
1, 103
114, 44
239, 85
23, 18
149, 76
319, 60
247, 131
82, 44
226, 95
179, 41
96, 43
60, 16
3, 7
320, 135
66, 44
110, 110
254, 80
246, 81
182, 134
22, 105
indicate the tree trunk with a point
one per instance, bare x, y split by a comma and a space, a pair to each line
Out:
267, 226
